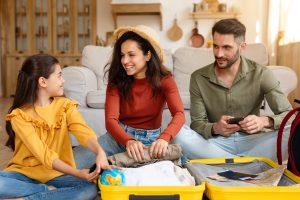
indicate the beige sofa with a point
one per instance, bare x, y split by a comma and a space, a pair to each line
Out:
86, 85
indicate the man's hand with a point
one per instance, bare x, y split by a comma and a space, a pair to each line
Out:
158, 148
135, 150
223, 128
253, 124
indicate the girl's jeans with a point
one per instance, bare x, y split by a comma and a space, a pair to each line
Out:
15, 184
85, 158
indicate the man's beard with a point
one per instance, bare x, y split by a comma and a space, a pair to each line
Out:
230, 62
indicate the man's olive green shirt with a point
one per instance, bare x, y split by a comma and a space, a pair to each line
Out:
210, 98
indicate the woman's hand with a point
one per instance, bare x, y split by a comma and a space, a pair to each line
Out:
158, 148
135, 150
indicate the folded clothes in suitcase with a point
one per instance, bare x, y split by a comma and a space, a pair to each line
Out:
161, 180
213, 171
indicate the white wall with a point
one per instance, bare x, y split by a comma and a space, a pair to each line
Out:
252, 11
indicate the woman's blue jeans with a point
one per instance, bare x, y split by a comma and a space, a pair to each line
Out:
14, 184
85, 158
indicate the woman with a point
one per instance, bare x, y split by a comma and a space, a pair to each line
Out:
139, 86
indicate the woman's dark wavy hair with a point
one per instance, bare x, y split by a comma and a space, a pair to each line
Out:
117, 76
34, 67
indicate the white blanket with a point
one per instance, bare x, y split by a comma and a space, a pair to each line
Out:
163, 173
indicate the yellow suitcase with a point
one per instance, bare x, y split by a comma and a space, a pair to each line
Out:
109, 192
214, 192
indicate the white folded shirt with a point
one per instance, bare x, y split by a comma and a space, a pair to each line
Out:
163, 173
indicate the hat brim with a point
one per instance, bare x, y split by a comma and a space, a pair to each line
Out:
138, 30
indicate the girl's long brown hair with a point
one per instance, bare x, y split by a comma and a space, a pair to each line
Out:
34, 67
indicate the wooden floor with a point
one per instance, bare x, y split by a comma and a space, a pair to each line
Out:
5, 152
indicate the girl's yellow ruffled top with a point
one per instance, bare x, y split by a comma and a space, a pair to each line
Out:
42, 135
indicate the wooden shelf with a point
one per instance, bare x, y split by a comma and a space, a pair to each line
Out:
214, 15
21, 13
136, 9
62, 14
20, 35
83, 34
43, 13
64, 37
83, 14
66, 34
41, 35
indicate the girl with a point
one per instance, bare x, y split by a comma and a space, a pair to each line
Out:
139, 86
42, 166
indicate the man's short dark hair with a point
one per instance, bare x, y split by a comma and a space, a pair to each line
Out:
230, 26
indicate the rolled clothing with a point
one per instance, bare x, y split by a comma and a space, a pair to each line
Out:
173, 153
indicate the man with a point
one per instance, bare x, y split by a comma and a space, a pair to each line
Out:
232, 86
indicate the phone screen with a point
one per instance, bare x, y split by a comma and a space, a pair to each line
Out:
235, 120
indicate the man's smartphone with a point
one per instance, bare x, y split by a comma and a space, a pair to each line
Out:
234, 120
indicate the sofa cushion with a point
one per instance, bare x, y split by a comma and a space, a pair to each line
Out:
288, 82
186, 61
96, 99
168, 60
95, 58
286, 76
78, 82
257, 52
185, 97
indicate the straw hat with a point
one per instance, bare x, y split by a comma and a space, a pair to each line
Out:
146, 33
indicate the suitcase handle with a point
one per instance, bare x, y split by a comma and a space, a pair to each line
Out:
154, 197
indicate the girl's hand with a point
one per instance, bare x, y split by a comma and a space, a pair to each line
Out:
158, 148
101, 162
85, 175
135, 150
